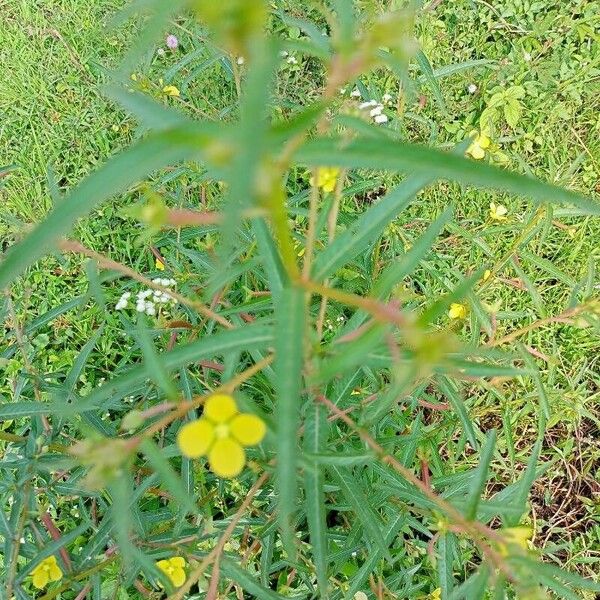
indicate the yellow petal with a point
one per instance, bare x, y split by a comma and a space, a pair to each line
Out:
178, 561
484, 141
177, 577
171, 90
195, 438
55, 572
40, 578
226, 458
476, 151
160, 265
457, 311
248, 429
220, 408
164, 565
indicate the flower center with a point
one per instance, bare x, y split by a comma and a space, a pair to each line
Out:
222, 431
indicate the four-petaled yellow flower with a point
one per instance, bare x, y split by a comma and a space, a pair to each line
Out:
478, 146
221, 433
326, 178
47, 570
173, 568
457, 311
498, 212
171, 90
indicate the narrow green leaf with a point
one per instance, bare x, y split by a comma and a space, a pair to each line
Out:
168, 476
399, 156
289, 360
233, 571
315, 437
367, 227
480, 476
353, 493
525, 483
445, 555
544, 406
448, 389
252, 336
429, 76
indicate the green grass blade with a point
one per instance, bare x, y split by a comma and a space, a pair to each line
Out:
525, 483
429, 76
289, 359
399, 156
477, 485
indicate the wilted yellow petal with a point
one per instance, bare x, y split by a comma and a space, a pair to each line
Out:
226, 458
195, 438
220, 408
248, 429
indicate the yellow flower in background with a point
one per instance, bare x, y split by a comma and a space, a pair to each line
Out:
160, 265
173, 568
519, 536
48, 570
326, 178
498, 212
436, 594
478, 146
486, 275
457, 311
171, 90
221, 433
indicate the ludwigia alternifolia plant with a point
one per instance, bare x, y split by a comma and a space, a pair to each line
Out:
272, 429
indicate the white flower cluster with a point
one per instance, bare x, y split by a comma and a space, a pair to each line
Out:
146, 300
375, 111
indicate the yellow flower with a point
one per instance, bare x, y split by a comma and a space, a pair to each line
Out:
515, 536
436, 594
326, 178
160, 265
47, 570
171, 90
478, 146
221, 433
173, 568
486, 275
457, 311
498, 212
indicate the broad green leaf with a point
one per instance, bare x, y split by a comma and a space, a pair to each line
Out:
289, 360
480, 476
399, 156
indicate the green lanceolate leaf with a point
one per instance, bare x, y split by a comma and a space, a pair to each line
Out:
289, 359
480, 476
241, 576
398, 156
315, 437
367, 227
453, 395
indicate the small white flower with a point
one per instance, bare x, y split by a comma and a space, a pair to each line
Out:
381, 119
240, 60
355, 93
527, 57
160, 52
387, 98
376, 111
342, 91
472, 88
283, 54
22, 540
292, 60
140, 306
367, 104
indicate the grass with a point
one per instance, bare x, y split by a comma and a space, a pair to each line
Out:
53, 116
